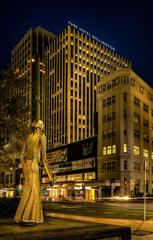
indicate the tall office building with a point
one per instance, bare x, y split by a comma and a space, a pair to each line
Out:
28, 62
125, 143
75, 62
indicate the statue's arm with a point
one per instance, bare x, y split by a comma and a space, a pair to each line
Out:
43, 150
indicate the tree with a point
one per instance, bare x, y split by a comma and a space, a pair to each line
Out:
14, 111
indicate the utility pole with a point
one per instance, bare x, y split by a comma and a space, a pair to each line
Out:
146, 167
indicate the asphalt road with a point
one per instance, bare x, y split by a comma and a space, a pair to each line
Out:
116, 210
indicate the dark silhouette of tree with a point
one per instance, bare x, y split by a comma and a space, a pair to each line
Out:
14, 111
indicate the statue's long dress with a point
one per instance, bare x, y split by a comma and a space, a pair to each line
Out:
30, 206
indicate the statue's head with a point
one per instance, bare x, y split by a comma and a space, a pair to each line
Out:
38, 124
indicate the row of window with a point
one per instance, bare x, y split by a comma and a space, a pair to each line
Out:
108, 134
111, 166
124, 80
115, 82
107, 150
109, 118
109, 101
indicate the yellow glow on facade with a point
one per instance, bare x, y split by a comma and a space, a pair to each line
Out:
136, 150
125, 148
125, 115
145, 153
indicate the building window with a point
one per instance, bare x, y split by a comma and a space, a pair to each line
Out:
145, 123
136, 166
104, 118
136, 133
109, 150
109, 118
145, 153
136, 150
104, 150
109, 134
125, 165
114, 149
145, 107
109, 167
104, 87
136, 102
145, 138
108, 101
113, 99
109, 86
125, 132
113, 115
124, 97
113, 166
136, 117
125, 148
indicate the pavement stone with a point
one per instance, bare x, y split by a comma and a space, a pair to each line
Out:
146, 237
141, 230
58, 228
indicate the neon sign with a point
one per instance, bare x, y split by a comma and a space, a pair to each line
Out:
90, 35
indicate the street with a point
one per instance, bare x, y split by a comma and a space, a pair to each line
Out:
116, 210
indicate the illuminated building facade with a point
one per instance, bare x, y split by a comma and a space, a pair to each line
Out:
74, 168
68, 68
28, 61
75, 62
125, 123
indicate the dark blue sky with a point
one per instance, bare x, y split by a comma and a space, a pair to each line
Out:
125, 25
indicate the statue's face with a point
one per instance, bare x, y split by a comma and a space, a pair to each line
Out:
39, 124
39, 130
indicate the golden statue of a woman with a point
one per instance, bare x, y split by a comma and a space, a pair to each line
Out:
30, 206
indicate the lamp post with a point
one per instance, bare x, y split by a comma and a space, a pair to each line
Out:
146, 165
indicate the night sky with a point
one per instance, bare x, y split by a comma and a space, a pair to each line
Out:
125, 25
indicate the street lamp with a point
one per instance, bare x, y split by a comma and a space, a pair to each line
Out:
146, 167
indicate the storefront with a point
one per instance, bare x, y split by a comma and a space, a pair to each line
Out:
73, 166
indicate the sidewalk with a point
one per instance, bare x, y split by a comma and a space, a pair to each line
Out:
141, 230
60, 228
55, 222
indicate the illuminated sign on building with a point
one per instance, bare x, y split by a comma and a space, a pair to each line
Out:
87, 148
58, 156
91, 36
